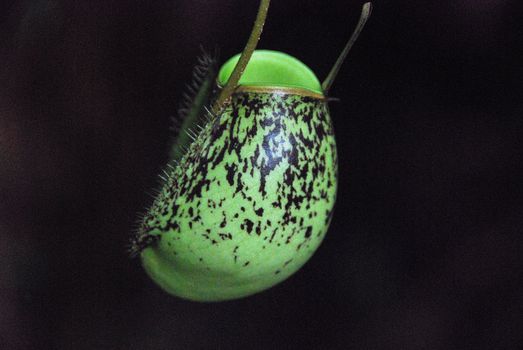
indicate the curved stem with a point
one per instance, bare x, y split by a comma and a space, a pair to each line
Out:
365, 14
232, 83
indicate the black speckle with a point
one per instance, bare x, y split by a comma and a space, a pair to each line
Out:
247, 225
231, 170
225, 236
308, 232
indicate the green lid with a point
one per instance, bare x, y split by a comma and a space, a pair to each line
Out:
272, 68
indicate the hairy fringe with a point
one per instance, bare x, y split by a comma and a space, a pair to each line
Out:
205, 66
204, 69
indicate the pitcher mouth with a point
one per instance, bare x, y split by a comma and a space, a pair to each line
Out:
279, 90
274, 70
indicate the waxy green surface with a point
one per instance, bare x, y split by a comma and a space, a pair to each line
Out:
249, 202
272, 68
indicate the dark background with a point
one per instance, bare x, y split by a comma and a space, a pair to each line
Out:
425, 250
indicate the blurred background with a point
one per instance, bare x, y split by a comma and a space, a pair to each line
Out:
425, 250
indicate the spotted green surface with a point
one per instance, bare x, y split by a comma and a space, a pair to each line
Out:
249, 203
